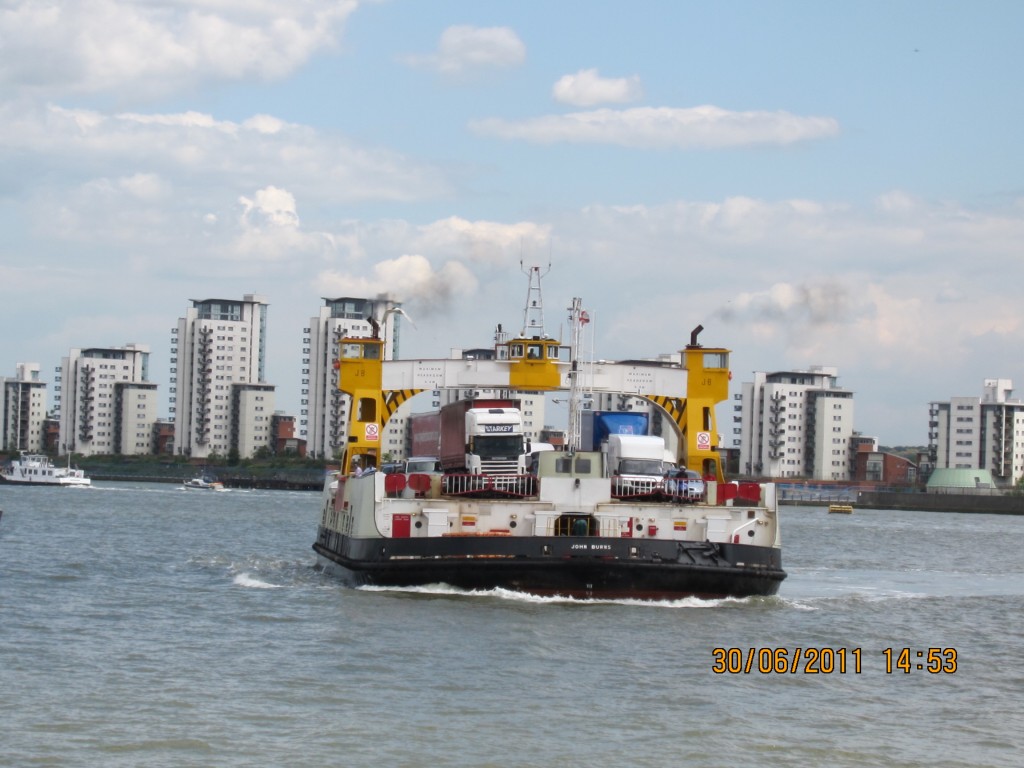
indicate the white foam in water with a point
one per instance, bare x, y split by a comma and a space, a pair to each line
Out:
523, 597
245, 580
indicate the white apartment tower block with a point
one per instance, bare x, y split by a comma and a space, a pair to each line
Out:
137, 416
794, 424
252, 412
980, 433
220, 401
107, 403
324, 408
22, 410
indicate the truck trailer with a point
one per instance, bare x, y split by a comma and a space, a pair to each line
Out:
636, 465
483, 437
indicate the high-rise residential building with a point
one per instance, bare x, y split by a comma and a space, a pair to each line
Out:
794, 424
323, 412
22, 409
984, 432
221, 403
107, 403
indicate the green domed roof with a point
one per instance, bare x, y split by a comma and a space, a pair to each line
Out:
961, 478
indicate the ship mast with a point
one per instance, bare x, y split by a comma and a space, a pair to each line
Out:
578, 317
533, 313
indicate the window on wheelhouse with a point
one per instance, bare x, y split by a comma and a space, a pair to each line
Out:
355, 350
716, 360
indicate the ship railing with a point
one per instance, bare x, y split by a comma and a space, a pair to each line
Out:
637, 487
678, 492
735, 537
676, 495
516, 486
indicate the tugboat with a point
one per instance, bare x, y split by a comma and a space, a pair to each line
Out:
567, 528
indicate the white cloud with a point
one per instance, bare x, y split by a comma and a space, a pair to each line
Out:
132, 211
275, 207
145, 186
160, 46
442, 262
879, 327
663, 127
467, 50
868, 299
202, 151
269, 231
587, 88
410, 278
896, 201
486, 242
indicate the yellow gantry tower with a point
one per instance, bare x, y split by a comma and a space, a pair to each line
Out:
361, 377
707, 380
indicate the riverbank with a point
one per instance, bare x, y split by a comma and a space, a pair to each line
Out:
295, 478
924, 502
279, 483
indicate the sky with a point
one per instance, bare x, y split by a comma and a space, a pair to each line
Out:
837, 184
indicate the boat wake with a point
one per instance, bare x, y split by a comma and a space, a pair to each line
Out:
254, 571
845, 601
149, 488
443, 590
245, 580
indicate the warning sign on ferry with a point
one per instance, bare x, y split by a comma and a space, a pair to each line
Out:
372, 433
703, 441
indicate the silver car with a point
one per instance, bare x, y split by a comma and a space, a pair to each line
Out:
685, 485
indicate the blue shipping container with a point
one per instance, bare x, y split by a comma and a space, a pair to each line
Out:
597, 425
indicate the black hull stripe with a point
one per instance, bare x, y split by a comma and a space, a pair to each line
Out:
699, 569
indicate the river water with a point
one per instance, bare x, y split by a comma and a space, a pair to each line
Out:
142, 624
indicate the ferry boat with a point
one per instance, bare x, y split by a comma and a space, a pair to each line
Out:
38, 469
567, 528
